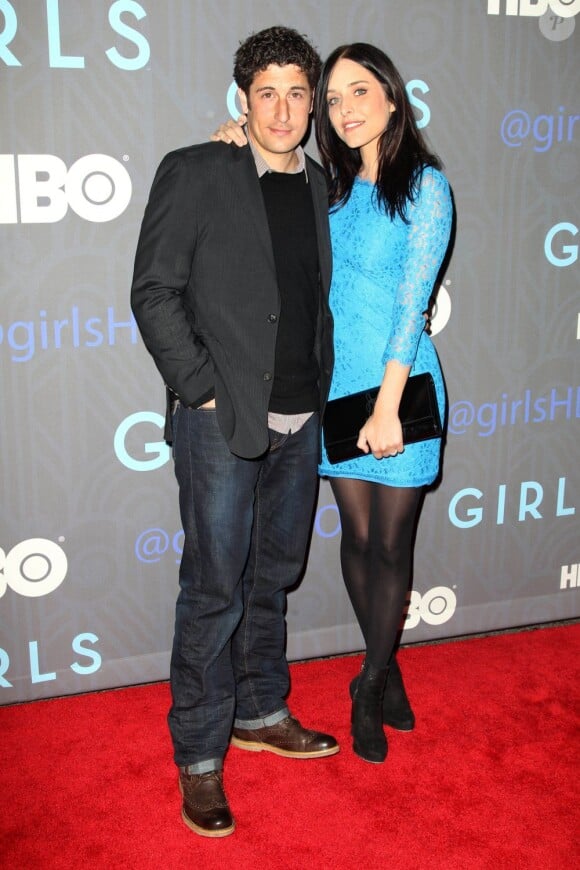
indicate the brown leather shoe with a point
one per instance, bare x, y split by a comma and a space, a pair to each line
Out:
287, 738
205, 808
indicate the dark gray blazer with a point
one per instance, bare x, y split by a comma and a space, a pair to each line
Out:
205, 294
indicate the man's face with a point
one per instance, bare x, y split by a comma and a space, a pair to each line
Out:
277, 106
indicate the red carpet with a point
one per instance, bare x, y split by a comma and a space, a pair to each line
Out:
488, 779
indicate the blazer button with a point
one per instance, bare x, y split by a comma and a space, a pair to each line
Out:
272, 318
267, 376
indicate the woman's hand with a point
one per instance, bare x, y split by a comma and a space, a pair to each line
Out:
231, 132
381, 435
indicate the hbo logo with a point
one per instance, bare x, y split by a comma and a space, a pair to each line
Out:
434, 607
33, 568
534, 8
97, 187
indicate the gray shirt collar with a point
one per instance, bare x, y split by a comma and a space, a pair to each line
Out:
262, 166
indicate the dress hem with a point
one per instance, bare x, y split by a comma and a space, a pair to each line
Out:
373, 479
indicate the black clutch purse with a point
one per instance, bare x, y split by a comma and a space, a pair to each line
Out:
345, 417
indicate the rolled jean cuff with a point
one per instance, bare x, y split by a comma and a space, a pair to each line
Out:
265, 722
202, 766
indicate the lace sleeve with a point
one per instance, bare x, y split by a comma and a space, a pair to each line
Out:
428, 237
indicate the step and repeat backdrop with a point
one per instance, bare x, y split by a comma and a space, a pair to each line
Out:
93, 93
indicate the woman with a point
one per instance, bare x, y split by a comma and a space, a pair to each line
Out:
390, 219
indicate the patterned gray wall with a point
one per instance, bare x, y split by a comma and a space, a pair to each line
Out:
93, 93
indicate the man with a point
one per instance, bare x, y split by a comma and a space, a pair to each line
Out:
230, 293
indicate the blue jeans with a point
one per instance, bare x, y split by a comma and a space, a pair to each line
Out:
247, 523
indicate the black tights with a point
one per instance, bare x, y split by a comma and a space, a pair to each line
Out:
378, 524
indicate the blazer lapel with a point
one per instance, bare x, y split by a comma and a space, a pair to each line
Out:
320, 201
245, 179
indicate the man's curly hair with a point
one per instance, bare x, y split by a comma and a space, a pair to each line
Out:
280, 46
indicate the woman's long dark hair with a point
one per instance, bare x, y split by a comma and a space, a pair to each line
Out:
403, 152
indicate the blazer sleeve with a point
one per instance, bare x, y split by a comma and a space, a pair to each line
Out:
163, 262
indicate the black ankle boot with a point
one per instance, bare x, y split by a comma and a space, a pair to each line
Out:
397, 710
396, 707
369, 739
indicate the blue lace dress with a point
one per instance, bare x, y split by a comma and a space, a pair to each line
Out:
383, 276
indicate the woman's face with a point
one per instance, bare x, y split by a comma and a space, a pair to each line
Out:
358, 107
